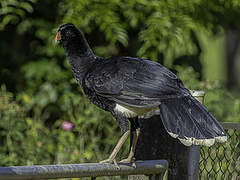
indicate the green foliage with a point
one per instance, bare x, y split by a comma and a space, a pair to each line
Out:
12, 126
92, 12
46, 82
13, 11
26, 140
164, 27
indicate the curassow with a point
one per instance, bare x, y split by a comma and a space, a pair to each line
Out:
130, 88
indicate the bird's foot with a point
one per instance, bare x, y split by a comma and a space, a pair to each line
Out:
110, 161
129, 160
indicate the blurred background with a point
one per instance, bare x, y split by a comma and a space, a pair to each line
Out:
45, 117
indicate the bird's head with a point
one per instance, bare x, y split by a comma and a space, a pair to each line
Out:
66, 33
72, 40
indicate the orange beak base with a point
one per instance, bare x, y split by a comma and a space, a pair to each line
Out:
58, 36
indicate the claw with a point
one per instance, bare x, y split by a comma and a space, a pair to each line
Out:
129, 161
110, 161
134, 164
106, 161
116, 164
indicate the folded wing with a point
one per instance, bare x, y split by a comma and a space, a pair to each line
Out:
134, 82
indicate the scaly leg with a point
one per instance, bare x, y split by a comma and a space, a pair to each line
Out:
130, 157
111, 158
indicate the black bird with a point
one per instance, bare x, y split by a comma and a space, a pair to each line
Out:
130, 88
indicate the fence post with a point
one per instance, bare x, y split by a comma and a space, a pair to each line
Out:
193, 163
194, 151
155, 143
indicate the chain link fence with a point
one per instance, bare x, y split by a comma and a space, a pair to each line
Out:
222, 161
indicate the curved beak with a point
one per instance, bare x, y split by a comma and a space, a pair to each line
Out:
58, 36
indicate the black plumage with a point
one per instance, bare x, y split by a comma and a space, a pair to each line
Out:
133, 87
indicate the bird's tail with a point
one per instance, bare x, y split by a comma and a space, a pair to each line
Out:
189, 121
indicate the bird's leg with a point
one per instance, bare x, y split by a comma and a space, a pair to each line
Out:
135, 129
111, 158
130, 157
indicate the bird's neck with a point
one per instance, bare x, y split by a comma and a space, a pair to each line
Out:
77, 46
80, 57
80, 65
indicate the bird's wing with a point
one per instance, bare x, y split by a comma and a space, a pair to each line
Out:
134, 82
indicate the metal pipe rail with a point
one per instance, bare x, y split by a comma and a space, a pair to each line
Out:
151, 167
231, 125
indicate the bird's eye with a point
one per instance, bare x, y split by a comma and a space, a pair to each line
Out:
68, 33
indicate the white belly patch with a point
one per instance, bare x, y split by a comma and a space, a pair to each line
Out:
131, 112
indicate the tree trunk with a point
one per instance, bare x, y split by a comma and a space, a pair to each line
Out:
233, 58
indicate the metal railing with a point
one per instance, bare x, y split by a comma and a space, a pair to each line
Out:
222, 161
154, 168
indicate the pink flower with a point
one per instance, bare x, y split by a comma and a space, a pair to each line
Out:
67, 126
